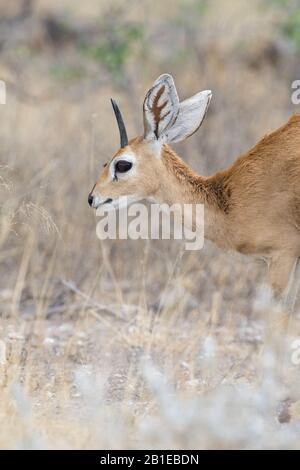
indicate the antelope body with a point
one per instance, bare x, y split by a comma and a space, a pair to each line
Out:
252, 207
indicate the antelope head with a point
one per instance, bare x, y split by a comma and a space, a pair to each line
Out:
136, 168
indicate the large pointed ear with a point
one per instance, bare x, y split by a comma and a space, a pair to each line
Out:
166, 119
161, 107
190, 117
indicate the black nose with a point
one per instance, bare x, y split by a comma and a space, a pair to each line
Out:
90, 200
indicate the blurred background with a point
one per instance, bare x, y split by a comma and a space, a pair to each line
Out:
79, 317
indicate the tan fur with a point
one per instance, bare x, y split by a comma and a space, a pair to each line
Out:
252, 207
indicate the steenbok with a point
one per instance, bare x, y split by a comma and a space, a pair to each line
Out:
252, 207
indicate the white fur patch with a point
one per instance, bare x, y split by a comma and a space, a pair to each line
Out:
128, 157
156, 146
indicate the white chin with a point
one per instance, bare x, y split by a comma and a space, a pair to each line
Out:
118, 203
124, 201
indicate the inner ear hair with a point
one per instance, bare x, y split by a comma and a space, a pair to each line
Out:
160, 107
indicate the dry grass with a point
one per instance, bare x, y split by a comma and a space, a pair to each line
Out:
125, 344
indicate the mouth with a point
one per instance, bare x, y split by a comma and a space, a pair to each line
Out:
117, 203
102, 203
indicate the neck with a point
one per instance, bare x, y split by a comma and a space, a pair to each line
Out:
180, 184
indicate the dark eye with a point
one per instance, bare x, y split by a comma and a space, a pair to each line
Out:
122, 166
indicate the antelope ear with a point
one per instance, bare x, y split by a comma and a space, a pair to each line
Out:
190, 117
161, 107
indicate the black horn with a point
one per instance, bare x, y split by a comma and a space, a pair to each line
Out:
121, 125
